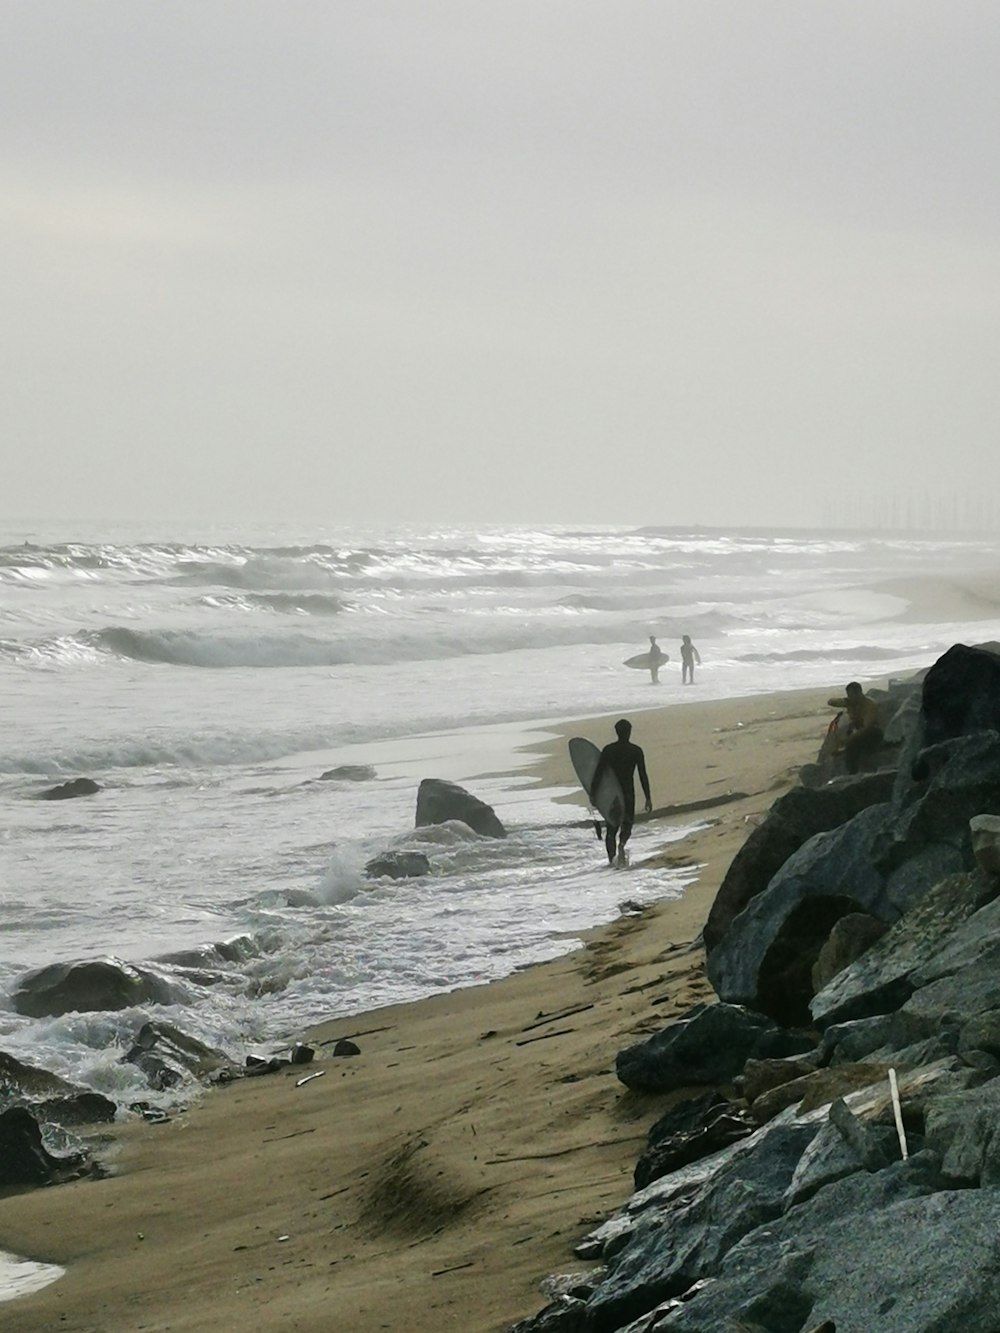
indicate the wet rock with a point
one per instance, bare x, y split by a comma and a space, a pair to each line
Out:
32, 1082
85, 987
49, 1097
83, 1108
24, 1159
398, 865
167, 1056
256, 1065
710, 1044
67, 791
439, 801
348, 773
345, 1048
302, 1054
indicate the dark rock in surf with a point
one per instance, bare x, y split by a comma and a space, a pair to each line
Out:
167, 1056
49, 1097
24, 1159
439, 801
398, 865
256, 1064
66, 791
348, 773
345, 1048
106, 983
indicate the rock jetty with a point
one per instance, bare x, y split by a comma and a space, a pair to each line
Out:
828, 1160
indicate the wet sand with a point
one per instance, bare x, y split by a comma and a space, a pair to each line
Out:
431, 1182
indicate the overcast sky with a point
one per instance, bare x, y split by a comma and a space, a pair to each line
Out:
471, 261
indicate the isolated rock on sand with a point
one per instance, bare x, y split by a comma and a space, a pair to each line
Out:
439, 801
66, 791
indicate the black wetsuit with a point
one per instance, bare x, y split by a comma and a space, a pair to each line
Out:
624, 759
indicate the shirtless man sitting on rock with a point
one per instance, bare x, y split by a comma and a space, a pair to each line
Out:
864, 731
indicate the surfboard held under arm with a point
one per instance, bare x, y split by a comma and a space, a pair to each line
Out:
608, 799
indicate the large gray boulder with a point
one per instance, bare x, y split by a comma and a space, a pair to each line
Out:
744, 1194
961, 780
791, 821
870, 1252
439, 801
765, 959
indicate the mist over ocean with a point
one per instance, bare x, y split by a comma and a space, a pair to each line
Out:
206, 681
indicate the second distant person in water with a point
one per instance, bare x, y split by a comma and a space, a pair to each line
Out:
689, 655
623, 759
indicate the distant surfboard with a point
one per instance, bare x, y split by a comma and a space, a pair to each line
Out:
608, 799
643, 661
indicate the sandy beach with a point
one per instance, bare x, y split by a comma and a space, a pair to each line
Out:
434, 1180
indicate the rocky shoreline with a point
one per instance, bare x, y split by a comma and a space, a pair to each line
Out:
840, 1168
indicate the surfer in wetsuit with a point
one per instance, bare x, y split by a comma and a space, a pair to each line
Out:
623, 759
656, 659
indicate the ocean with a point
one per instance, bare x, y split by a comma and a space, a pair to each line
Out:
207, 680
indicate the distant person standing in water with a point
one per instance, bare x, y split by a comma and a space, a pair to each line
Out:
623, 759
689, 655
656, 659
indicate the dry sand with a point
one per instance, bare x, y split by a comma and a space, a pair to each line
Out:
433, 1181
